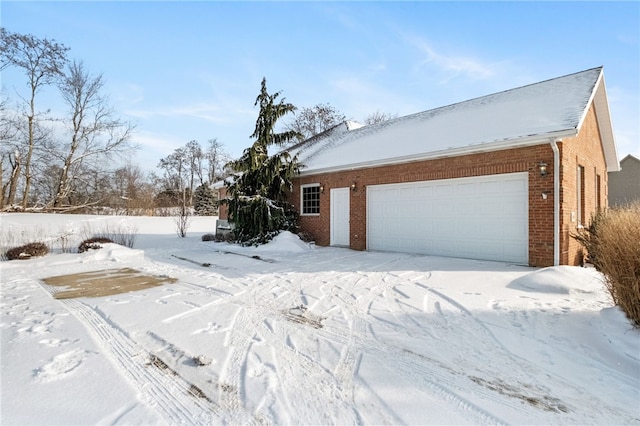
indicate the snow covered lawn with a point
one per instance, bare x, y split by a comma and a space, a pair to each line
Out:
292, 334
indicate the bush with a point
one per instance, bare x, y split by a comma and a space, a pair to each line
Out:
93, 244
208, 237
120, 233
228, 237
27, 251
182, 220
613, 244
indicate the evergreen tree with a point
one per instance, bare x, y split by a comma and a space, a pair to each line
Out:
257, 203
204, 201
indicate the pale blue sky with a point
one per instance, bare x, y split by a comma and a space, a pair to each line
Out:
192, 70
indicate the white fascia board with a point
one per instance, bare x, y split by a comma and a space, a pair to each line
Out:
603, 115
453, 152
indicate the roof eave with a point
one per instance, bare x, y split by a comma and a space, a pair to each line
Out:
452, 152
601, 105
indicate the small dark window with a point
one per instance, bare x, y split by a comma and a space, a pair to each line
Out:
311, 199
580, 194
598, 196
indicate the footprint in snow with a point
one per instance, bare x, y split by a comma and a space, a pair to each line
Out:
37, 328
60, 365
54, 343
209, 329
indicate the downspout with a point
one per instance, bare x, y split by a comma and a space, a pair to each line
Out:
556, 201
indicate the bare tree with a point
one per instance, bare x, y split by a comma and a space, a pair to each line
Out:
43, 62
94, 134
216, 158
132, 190
175, 168
13, 134
378, 117
194, 154
309, 122
8, 154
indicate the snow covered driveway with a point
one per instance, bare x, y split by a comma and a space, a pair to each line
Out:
287, 334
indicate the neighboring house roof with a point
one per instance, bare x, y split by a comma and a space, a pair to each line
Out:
624, 185
529, 115
628, 158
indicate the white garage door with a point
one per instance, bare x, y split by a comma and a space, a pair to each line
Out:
478, 218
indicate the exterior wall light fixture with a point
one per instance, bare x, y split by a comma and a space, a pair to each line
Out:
353, 186
322, 189
543, 168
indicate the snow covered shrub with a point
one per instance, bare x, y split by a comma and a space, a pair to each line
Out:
27, 251
208, 237
613, 243
93, 244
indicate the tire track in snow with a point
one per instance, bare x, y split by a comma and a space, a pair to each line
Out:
168, 393
449, 369
358, 342
230, 381
483, 359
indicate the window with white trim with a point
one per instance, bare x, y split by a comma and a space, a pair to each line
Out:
310, 199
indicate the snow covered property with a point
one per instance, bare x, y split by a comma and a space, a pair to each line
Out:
508, 176
289, 333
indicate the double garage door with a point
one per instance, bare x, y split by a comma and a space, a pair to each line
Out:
477, 218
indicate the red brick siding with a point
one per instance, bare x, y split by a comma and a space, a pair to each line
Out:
223, 209
481, 164
583, 150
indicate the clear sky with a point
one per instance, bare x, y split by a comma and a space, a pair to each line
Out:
186, 70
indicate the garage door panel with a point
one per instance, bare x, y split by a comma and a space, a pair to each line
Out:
423, 191
489, 187
443, 189
461, 207
512, 208
482, 217
442, 207
466, 189
514, 185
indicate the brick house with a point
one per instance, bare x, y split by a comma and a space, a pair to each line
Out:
507, 177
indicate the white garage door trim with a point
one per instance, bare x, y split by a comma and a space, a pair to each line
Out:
485, 217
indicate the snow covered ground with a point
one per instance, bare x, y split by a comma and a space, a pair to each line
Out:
292, 334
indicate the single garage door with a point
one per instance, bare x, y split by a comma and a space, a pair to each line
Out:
477, 218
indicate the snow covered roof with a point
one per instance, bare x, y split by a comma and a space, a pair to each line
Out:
338, 129
528, 115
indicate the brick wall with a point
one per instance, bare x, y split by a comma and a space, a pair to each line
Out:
585, 151
481, 164
223, 209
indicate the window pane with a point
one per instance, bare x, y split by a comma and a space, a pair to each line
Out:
311, 200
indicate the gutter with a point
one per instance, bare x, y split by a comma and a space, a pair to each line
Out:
556, 201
